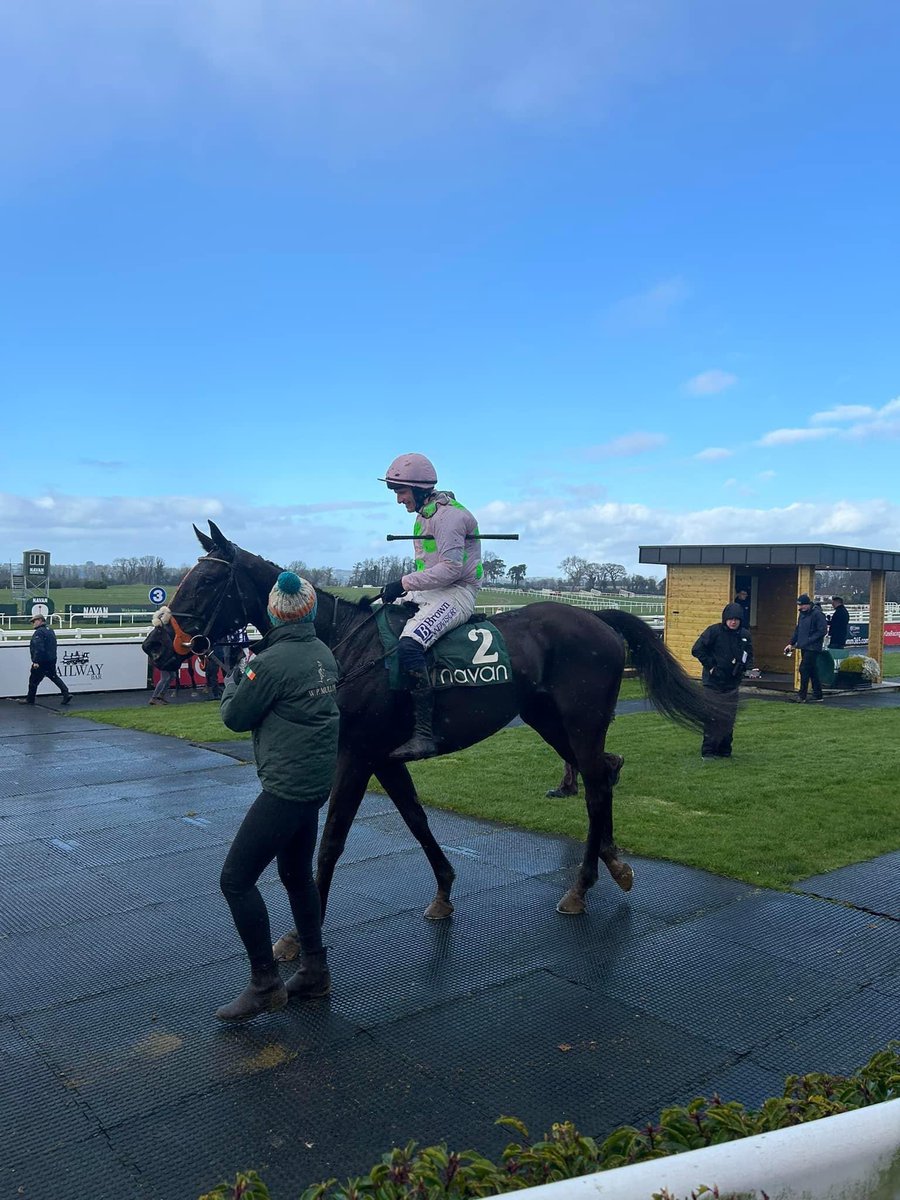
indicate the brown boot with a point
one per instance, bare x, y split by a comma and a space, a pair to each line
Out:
264, 993
313, 979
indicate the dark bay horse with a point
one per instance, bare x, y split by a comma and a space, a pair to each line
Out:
566, 665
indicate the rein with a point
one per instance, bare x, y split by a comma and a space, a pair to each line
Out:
182, 640
360, 668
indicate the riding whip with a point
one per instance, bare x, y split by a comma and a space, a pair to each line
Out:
475, 537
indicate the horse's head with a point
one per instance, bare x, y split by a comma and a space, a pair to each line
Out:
226, 588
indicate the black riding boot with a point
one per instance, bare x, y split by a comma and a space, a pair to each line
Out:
422, 743
415, 669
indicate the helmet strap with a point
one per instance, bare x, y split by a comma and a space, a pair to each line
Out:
420, 495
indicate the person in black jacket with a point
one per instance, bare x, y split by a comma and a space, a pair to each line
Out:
838, 624
43, 661
742, 597
726, 652
807, 638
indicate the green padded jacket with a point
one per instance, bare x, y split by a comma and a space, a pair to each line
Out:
286, 695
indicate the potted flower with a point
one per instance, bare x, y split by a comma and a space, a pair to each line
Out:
857, 671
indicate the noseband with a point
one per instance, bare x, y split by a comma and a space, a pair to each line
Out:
181, 640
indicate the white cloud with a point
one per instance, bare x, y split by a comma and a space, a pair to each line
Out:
790, 437
648, 309
709, 383
765, 476
625, 447
342, 76
77, 528
713, 454
842, 412
549, 527
612, 532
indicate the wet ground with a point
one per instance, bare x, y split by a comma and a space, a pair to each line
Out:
116, 947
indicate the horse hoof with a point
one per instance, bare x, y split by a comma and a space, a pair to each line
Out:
623, 875
286, 948
572, 904
438, 910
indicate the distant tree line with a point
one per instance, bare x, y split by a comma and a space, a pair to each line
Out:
577, 574
149, 569
581, 575
853, 586
376, 572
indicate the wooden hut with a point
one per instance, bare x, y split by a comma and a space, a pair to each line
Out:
701, 580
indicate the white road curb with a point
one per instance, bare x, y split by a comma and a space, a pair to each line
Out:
853, 1156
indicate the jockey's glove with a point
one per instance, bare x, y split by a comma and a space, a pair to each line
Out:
392, 591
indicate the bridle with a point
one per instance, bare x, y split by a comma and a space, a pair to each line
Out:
182, 640
166, 616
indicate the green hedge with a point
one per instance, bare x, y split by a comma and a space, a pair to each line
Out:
436, 1173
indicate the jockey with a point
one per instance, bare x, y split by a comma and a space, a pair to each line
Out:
443, 585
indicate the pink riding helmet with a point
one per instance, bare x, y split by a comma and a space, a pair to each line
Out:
411, 470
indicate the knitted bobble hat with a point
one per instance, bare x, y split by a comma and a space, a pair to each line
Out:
292, 599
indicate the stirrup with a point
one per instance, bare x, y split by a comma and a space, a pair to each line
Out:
415, 748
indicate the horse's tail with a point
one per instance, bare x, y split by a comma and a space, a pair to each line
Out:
669, 688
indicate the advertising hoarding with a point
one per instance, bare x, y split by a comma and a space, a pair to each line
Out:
87, 665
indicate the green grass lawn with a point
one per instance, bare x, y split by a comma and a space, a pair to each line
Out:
809, 789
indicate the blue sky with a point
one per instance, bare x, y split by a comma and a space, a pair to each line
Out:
628, 273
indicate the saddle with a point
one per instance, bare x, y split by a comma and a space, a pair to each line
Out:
472, 655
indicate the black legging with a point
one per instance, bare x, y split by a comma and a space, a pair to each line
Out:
286, 830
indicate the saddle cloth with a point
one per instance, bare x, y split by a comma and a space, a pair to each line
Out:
472, 655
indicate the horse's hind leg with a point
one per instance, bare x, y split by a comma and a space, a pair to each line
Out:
346, 796
397, 782
600, 773
569, 784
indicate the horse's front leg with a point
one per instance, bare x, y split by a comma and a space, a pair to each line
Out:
599, 780
346, 796
397, 782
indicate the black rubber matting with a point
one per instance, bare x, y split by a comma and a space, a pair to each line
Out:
546, 1050
873, 885
116, 947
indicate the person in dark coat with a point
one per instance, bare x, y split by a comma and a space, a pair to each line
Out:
169, 664
742, 597
285, 694
838, 624
43, 661
807, 638
726, 652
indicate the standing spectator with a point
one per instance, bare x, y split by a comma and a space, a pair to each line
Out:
43, 661
213, 690
742, 597
838, 624
726, 652
286, 695
230, 647
807, 638
169, 664
237, 643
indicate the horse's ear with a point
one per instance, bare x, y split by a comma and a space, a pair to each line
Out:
206, 542
219, 541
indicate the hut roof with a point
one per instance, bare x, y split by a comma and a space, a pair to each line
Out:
823, 557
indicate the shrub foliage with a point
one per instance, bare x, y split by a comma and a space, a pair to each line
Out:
436, 1173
